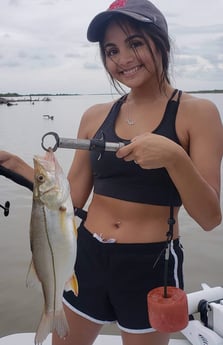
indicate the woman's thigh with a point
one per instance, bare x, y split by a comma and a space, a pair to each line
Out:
153, 338
82, 331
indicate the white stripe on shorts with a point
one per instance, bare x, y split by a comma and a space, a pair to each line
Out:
175, 264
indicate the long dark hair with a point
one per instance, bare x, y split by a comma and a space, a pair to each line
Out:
160, 39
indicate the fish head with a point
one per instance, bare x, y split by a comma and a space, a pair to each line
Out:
51, 186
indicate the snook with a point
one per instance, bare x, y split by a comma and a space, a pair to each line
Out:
53, 243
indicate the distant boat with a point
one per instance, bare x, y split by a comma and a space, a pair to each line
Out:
48, 117
7, 102
46, 99
3, 100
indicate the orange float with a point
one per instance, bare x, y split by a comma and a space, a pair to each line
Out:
167, 314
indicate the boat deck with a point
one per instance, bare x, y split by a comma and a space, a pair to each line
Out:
28, 339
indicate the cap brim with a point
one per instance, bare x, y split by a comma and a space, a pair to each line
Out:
97, 25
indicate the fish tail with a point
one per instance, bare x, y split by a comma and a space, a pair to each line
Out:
45, 327
60, 324
50, 322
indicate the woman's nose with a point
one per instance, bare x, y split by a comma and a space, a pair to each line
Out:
126, 56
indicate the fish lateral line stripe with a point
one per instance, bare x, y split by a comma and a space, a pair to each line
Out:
51, 251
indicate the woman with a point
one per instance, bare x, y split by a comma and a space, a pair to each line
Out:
173, 152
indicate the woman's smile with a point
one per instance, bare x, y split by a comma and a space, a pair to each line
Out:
131, 71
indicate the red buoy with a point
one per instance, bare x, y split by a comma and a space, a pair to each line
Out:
167, 314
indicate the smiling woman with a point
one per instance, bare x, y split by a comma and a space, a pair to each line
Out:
132, 202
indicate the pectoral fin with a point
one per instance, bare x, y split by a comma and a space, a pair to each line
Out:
72, 285
74, 228
31, 278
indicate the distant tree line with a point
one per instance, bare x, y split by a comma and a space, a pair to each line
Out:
206, 91
9, 94
14, 94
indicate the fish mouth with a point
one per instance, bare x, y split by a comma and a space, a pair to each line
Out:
52, 189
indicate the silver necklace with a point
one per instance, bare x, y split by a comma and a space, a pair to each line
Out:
128, 120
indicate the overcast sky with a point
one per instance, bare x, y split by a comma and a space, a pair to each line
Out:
43, 45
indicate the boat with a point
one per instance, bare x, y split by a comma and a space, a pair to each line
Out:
28, 339
49, 117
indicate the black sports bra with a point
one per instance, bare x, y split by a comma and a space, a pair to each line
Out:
118, 179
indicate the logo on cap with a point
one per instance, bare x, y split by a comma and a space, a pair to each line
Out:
117, 4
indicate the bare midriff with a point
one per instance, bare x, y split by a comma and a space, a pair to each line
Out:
129, 222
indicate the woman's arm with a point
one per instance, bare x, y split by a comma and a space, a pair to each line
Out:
80, 173
197, 175
16, 164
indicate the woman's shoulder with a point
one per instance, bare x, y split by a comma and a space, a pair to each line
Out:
199, 117
197, 103
94, 116
195, 108
98, 109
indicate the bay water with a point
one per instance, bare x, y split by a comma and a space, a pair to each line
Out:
21, 129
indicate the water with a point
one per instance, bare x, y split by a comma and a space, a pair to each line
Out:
21, 130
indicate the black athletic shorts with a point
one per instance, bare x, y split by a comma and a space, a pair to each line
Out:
114, 280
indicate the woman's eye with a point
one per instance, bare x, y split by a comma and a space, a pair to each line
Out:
111, 52
136, 44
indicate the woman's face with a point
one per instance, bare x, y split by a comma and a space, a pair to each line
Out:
128, 58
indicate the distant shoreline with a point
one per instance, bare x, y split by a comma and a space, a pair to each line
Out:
206, 91
13, 94
9, 99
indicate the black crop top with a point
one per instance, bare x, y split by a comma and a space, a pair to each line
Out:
118, 179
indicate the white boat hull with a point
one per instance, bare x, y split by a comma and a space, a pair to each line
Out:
28, 339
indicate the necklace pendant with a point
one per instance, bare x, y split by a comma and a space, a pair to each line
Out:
130, 122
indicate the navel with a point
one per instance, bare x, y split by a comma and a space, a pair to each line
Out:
117, 224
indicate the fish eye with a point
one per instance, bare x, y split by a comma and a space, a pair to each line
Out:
40, 178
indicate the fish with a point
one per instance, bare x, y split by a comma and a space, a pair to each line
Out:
53, 242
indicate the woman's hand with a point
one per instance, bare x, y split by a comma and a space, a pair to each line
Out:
150, 151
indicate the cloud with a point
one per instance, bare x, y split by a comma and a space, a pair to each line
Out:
47, 38
198, 30
13, 2
204, 68
75, 55
92, 66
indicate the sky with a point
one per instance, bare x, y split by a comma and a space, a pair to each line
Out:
44, 49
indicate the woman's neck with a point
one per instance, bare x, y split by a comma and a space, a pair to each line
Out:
151, 94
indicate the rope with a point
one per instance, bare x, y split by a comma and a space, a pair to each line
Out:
169, 234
